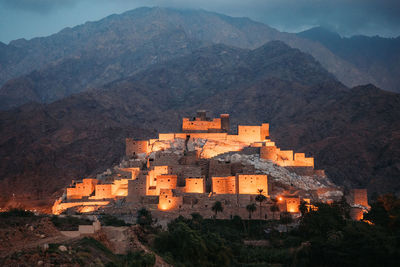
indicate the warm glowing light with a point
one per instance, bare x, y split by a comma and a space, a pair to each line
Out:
87, 209
163, 207
280, 198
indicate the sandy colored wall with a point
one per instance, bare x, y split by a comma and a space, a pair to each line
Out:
360, 197
134, 147
199, 125
251, 183
83, 189
167, 201
166, 181
194, 185
224, 185
103, 191
60, 207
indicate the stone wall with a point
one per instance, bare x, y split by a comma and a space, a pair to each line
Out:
83, 189
201, 125
224, 185
135, 147
194, 185
359, 197
103, 191
167, 200
252, 183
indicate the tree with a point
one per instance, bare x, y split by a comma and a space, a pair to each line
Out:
285, 219
260, 198
251, 208
144, 217
303, 208
274, 208
217, 207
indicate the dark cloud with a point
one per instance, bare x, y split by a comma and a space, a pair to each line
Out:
347, 17
40, 6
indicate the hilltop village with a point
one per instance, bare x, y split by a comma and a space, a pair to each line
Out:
186, 172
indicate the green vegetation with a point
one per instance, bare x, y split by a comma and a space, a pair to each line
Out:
260, 198
325, 237
217, 207
16, 213
109, 220
144, 217
17, 217
251, 208
134, 259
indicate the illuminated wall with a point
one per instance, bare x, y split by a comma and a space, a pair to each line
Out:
224, 185
134, 147
301, 160
136, 188
194, 185
200, 125
251, 183
249, 133
292, 204
83, 189
103, 191
167, 201
166, 181
285, 157
60, 207
120, 187
151, 178
356, 214
360, 197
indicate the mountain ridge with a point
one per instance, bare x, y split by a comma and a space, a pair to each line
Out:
376, 56
119, 35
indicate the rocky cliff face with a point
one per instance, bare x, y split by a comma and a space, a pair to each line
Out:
352, 133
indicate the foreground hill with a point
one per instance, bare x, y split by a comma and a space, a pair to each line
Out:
95, 53
353, 133
378, 57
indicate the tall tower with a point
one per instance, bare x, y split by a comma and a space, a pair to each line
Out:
202, 115
225, 122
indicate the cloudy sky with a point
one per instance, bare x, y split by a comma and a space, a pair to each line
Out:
32, 18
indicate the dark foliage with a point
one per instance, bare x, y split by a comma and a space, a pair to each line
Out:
69, 223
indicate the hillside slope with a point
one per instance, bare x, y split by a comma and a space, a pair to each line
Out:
353, 133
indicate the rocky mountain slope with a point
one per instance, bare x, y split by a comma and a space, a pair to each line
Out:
378, 57
75, 59
353, 133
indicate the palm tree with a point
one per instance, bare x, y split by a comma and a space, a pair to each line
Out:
251, 208
217, 207
260, 198
274, 208
286, 218
303, 208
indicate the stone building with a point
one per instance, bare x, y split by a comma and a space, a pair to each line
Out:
186, 172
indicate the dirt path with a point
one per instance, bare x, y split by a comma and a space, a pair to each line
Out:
159, 261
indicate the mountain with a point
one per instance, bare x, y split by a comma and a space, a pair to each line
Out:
353, 133
76, 59
378, 57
